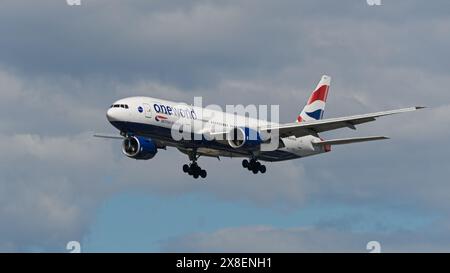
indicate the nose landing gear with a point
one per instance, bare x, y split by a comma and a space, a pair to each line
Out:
254, 166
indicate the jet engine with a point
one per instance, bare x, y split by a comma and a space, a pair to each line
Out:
244, 137
139, 147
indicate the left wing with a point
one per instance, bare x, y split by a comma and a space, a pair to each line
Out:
300, 129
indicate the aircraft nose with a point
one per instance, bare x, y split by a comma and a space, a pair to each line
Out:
111, 114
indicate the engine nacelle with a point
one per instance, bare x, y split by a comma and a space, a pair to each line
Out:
244, 137
304, 146
139, 147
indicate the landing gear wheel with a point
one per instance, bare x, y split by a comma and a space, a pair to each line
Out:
257, 165
262, 169
193, 169
254, 166
245, 163
251, 165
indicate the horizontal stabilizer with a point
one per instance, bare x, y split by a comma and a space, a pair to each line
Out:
349, 140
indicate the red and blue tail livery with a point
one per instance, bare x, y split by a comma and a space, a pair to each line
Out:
315, 106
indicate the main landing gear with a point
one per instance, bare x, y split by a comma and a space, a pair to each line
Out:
193, 169
254, 166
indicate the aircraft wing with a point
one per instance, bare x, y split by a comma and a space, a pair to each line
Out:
300, 129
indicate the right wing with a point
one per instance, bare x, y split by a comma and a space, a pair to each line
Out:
300, 129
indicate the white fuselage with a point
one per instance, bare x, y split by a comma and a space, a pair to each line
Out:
159, 119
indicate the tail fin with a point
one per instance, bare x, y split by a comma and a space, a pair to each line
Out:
315, 106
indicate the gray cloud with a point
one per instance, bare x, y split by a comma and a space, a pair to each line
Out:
307, 239
197, 42
45, 197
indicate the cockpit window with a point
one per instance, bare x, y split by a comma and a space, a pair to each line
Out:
119, 106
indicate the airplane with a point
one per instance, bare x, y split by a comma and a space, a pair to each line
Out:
147, 125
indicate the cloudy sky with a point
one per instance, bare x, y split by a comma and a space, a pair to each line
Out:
62, 66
